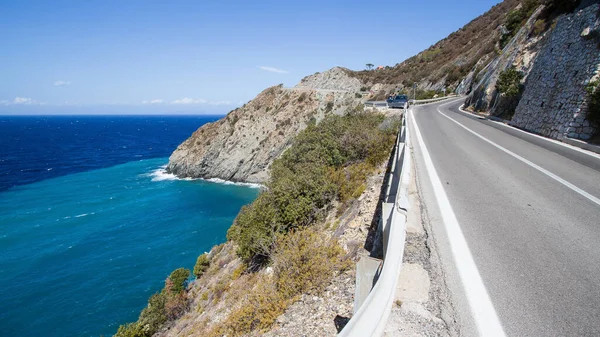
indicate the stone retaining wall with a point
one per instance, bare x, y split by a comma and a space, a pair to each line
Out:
554, 100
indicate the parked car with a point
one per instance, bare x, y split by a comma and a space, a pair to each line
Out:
399, 101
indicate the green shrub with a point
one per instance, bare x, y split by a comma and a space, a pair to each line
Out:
202, 264
593, 90
154, 315
427, 94
328, 107
539, 26
169, 304
177, 281
304, 181
302, 97
254, 228
151, 319
509, 82
516, 18
130, 330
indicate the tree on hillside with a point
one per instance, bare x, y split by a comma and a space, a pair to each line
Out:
509, 82
370, 66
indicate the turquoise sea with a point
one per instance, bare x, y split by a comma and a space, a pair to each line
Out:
82, 251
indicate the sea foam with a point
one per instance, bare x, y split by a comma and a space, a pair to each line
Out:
161, 174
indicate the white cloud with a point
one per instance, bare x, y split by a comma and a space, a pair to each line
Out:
220, 103
187, 100
23, 100
273, 70
154, 101
62, 83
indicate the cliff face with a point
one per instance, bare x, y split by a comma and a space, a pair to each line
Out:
554, 101
556, 64
242, 145
520, 52
447, 62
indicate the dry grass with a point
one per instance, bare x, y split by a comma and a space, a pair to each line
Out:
304, 261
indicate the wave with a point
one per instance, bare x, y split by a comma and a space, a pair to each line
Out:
161, 174
227, 182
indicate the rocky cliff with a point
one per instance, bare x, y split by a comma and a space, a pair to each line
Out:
520, 52
554, 100
448, 61
242, 145
557, 58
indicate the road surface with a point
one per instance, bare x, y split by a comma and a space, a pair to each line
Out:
528, 210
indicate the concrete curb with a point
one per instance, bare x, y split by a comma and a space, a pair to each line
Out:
582, 145
460, 108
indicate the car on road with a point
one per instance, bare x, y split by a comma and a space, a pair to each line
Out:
398, 101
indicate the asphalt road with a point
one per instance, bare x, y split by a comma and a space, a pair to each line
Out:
534, 240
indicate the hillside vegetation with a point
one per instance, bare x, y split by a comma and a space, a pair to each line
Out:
449, 60
328, 161
468, 50
284, 229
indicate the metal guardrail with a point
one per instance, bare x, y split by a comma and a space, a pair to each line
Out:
425, 101
371, 318
375, 104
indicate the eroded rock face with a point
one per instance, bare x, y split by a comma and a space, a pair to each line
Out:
334, 79
242, 145
521, 53
557, 66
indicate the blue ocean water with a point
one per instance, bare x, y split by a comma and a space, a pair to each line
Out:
86, 243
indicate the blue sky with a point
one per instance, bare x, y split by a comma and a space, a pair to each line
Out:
199, 56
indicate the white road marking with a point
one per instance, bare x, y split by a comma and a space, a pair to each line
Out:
557, 142
537, 167
480, 304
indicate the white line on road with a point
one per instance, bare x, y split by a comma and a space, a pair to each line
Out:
537, 167
480, 304
557, 142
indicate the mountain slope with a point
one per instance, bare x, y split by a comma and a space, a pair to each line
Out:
446, 62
